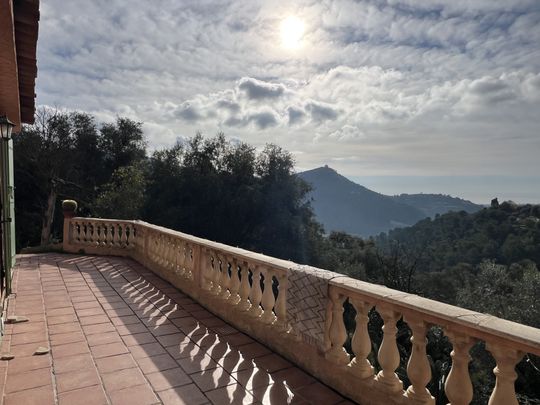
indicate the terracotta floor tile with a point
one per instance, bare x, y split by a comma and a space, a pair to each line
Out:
77, 379
197, 363
83, 298
147, 350
272, 362
163, 330
60, 311
28, 337
115, 363
159, 340
253, 378
185, 395
293, 377
139, 395
208, 380
27, 349
103, 338
233, 361
29, 327
64, 328
86, 305
121, 379
69, 349
118, 312
73, 363
36, 396
93, 320
58, 319
93, 311
253, 350
277, 393
98, 328
131, 329
156, 363
138, 339
109, 349
319, 394
28, 380
63, 338
23, 364
230, 395
125, 320
171, 340
163, 380
85, 396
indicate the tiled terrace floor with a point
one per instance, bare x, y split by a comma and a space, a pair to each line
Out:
118, 334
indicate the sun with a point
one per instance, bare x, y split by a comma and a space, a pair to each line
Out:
292, 31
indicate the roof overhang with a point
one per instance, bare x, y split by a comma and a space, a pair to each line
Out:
19, 21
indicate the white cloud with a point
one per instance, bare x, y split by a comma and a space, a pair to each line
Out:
403, 86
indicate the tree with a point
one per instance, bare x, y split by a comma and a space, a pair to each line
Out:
123, 196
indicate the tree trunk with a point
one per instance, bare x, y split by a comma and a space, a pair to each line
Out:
48, 218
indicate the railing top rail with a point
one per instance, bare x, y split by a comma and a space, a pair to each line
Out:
253, 257
475, 324
478, 325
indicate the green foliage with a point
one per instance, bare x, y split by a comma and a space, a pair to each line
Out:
227, 192
123, 196
66, 156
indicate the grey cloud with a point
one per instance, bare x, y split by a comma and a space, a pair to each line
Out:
321, 112
188, 112
258, 90
229, 105
263, 119
296, 115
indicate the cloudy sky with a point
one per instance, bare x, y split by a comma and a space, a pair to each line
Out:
402, 95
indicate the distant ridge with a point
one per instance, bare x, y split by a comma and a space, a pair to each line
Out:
342, 205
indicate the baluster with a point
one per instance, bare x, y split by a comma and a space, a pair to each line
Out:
224, 280
504, 392
189, 262
115, 235
109, 239
234, 297
206, 270
127, 231
123, 238
90, 229
84, 227
268, 299
167, 256
338, 333
78, 232
418, 368
458, 386
361, 343
388, 355
281, 303
244, 303
181, 254
216, 275
98, 234
256, 293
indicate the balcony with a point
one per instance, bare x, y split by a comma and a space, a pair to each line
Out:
141, 313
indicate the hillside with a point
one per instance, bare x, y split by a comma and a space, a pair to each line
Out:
507, 234
341, 205
433, 204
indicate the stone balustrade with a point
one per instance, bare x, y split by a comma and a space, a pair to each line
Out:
298, 311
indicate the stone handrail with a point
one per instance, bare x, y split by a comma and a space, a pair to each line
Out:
298, 312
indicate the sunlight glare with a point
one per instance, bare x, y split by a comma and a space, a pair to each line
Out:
292, 30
